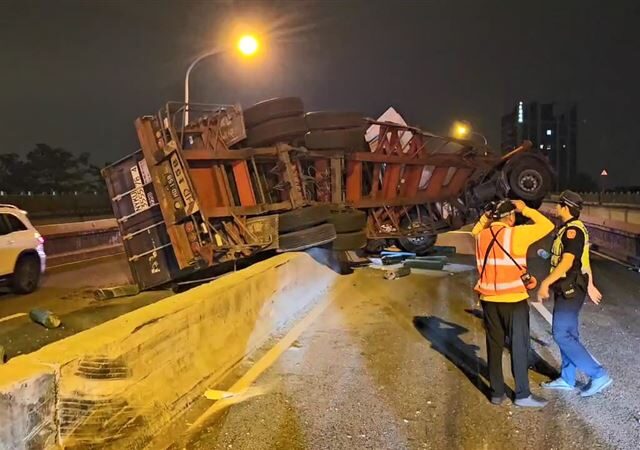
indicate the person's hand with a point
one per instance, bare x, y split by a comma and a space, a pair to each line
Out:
543, 292
519, 204
594, 294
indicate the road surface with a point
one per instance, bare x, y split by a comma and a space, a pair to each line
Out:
68, 292
401, 365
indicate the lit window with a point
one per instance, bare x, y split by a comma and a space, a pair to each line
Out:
548, 132
541, 146
548, 147
564, 146
520, 113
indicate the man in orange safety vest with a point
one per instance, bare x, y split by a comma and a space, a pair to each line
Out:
501, 256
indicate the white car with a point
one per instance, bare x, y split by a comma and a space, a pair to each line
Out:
22, 257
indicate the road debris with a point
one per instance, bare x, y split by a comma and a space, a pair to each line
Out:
394, 274
444, 250
45, 318
116, 291
429, 264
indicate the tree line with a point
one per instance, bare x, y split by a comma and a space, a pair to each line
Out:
47, 170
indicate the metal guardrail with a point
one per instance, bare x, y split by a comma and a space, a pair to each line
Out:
618, 239
78, 241
605, 198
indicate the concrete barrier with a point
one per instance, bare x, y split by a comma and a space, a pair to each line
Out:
77, 241
117, 384
462, 240
27, 406
616, 238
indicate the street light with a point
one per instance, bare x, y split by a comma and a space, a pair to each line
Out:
247, 45
463, 130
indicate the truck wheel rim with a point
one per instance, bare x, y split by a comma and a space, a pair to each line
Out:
530, 180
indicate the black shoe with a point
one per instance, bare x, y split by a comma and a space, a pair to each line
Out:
498, 400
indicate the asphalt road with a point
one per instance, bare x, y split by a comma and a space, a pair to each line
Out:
401, 365
68, 292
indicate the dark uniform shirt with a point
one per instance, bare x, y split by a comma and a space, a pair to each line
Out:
573, 243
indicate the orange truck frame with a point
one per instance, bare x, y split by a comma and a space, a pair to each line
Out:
232, 184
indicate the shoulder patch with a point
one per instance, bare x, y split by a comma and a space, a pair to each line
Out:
571, 234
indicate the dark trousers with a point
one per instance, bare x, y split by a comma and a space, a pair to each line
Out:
566, 312
512, 320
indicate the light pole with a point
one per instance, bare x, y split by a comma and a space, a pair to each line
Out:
186, 80
247, 46
462, 130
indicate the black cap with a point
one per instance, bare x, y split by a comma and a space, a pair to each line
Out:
570, 198
503, 209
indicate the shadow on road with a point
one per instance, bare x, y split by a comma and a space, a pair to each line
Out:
536, 362
336, 261
445, 338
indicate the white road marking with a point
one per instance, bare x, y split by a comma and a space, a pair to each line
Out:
610, 258
83, 261
544, 312
13, 316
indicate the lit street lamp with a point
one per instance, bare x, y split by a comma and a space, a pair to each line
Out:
247, 45
463, 130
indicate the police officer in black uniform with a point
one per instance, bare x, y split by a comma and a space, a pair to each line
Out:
570, 281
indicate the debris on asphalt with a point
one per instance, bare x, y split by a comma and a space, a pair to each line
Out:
424, 264
116, 291
45, 318
394, 274
445, 250
392, 253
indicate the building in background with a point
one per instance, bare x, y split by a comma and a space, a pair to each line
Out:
552, 128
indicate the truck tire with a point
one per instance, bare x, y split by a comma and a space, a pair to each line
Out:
530, 179
277, 130
348, 220
307, 238
350, 241
375, 246
298, 219
26, 275
420, 245
329, 120
350, 139
274, 108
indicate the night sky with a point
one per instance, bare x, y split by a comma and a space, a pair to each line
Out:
76, 74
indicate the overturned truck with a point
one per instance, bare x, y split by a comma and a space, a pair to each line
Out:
230, 184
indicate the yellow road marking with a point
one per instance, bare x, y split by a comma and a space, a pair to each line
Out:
213, 394
245, 382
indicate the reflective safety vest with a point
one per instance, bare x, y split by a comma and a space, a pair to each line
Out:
557, 248
500, 275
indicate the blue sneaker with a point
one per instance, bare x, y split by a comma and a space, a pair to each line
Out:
596, 385
559, 384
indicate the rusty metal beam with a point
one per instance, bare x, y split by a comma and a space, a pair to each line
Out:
230, 211
354, 181
243, 183
438, 160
